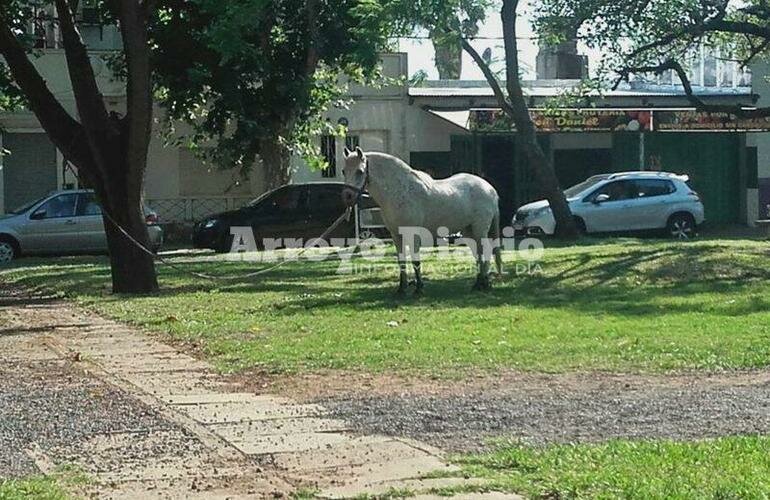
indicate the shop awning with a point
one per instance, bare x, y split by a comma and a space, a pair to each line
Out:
457, 118
606, 120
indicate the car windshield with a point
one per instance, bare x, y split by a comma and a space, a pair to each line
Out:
26, 206
255, 202
586, 184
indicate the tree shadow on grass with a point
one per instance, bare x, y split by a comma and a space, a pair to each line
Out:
633, 284
630, 282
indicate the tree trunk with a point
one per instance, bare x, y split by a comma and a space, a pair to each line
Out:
276, 163
548, 182
525, 128
133, 269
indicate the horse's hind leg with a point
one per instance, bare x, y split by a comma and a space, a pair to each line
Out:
417, 270
482, 262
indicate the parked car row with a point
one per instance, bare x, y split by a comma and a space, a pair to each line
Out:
71, 221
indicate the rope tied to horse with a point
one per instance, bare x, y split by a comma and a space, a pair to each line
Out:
343, 217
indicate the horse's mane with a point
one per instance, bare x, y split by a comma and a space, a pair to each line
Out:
394, 161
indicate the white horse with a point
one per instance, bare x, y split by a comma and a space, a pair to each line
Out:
409, 198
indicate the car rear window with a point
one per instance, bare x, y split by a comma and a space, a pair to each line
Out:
326, 199
654, 187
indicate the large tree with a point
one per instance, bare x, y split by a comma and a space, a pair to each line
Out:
639, 37
514, 104
108, 148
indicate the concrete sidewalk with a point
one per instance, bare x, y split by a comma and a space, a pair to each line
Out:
246, 445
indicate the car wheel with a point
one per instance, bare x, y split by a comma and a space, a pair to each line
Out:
8, 251
681, 227
580, 226
225, 243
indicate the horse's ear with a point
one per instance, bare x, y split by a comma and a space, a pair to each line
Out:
360, 152
347, 152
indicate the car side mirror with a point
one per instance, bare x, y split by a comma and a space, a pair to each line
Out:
599, 199
38, 214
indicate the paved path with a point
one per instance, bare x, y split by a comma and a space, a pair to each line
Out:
219, 443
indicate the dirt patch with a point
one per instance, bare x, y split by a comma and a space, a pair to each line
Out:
343, 384
539, 409
50, 406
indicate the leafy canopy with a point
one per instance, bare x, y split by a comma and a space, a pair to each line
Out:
658, 35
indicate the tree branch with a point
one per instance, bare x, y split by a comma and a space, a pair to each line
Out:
138, 119
696, 101
488, 74
312, 58
520, 112
88, 98
64, 131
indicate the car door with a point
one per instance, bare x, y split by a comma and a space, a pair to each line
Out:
282, 215
90, 223
325, 206
52, 226
604, 209
650, 209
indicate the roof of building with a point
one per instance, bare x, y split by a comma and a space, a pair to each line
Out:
554, 88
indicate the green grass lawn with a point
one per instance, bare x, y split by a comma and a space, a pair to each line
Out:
628, 305
726, 468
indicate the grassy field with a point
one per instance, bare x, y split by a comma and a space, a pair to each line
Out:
628, 305
727, 468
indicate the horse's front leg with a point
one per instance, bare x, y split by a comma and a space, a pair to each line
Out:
402, 279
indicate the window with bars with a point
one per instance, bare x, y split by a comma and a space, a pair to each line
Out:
351, 142
329, 152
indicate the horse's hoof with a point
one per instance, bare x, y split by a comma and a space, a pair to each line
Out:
400, 293
418, 292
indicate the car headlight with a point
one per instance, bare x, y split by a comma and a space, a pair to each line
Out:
210, 223
538, 212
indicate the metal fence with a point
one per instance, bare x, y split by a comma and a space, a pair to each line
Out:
190, 210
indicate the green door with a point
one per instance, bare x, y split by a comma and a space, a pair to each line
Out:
712, 161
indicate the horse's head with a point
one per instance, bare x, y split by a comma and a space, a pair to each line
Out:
355, 175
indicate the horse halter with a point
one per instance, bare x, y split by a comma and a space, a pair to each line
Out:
360, 191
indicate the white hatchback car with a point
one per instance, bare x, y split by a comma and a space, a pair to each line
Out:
62, 222
626, 201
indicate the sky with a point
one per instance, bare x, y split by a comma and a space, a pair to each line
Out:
421, 51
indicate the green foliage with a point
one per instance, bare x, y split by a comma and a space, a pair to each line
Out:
731, 467
251, 70
626, 305
642, 33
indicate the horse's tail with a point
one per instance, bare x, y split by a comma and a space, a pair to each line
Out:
494, 233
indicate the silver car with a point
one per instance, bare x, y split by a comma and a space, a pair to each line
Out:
626, 201
60, 223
